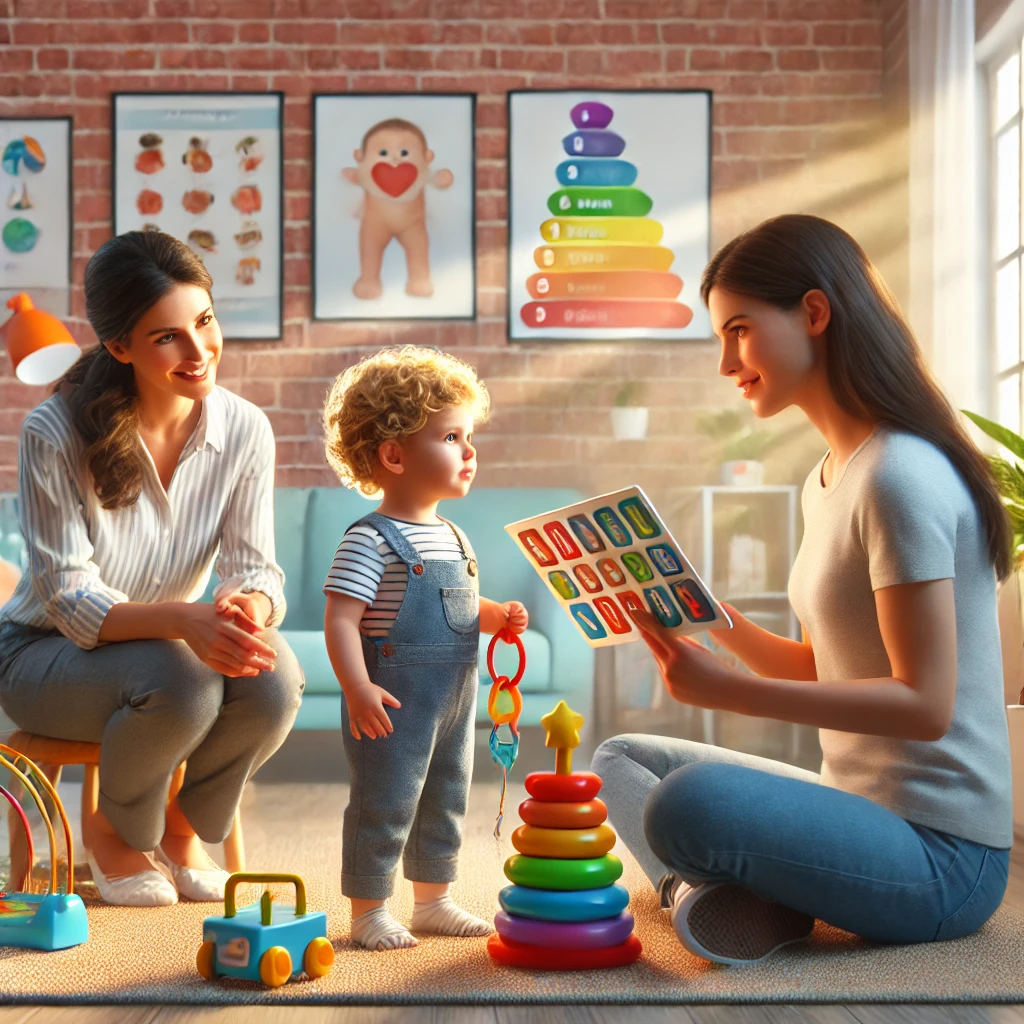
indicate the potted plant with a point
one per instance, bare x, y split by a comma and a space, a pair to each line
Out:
1010, 479
629, 415
742, 445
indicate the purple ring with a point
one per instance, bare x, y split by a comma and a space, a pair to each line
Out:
609, 931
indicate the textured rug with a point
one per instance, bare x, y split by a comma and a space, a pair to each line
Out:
148, 956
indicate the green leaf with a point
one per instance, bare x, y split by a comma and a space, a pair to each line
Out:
1007, 438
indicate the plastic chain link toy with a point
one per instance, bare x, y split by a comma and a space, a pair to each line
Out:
564, 910
504, 705
55, 919
249, 943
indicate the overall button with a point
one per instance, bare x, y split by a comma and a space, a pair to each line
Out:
387, 650
471, 567
418, 569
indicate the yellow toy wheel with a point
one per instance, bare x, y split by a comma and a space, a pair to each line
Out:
206, 957
318, 959
275, 966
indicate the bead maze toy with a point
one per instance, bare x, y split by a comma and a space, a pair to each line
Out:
265, 941
563, 910
504, 705
55, 919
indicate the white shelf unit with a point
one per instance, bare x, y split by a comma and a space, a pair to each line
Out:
772, 492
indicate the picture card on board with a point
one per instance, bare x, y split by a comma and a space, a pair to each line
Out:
606, 556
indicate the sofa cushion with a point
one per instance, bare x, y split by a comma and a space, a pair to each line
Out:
310, 649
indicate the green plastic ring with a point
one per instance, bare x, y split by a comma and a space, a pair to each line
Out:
563, 875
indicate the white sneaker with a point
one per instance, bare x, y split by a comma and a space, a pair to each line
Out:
729, 924
204, 885
145, 889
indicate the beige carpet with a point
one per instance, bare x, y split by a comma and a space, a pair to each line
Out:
147, 956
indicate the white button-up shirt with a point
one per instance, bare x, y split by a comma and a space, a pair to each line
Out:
82, 559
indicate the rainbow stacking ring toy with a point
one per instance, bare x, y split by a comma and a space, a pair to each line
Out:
563, 911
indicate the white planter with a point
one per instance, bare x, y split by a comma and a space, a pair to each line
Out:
629, 422
1015, 721
743, 473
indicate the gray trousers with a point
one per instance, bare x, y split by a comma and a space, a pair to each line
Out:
152, 704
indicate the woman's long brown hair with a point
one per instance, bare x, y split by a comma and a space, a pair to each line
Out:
124, 278
875, 367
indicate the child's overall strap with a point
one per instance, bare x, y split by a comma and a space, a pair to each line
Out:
467, 548
391, 532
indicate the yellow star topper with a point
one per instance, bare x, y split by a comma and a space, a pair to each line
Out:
562, 728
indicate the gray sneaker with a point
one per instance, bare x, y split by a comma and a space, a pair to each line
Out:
728, 924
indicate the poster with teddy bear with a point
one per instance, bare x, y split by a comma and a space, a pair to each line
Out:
393, 213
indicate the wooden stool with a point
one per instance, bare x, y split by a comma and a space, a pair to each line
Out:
50, 756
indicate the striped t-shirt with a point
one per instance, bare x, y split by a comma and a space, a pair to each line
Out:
365, 567
83, 559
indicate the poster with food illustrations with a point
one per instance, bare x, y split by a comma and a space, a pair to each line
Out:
609, 214
603, 557
35, 237
393, 207
207, 168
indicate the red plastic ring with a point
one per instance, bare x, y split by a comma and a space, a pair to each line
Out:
510, 638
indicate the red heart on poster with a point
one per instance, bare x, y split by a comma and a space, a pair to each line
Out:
394, 180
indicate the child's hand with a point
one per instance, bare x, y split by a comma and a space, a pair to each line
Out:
516, 616
366, 711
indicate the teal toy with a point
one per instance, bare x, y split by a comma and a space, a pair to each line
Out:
31, 920
265, 942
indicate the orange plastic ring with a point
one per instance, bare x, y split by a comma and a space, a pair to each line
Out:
510, 638
587, 814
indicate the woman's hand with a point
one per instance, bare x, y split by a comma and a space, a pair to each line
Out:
247, 611
222, 645
692, 673
517, 617
365, 704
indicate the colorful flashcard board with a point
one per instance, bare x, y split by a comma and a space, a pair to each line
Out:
393, 206
609, 214
35, 239
207, 168
606, 556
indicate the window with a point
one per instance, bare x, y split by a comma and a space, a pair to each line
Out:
1007, 252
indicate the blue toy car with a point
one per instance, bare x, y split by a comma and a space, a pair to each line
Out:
265, 942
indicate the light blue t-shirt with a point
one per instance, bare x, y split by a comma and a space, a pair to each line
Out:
899, 512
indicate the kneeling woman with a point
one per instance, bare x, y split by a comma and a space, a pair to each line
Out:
905, 835
134, 477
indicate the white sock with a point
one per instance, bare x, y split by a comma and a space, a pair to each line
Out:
443, 917
377, 929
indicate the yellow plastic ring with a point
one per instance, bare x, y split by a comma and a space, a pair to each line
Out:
567, 843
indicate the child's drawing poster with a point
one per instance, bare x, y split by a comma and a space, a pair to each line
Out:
606, 556
35, 240
609, 214
393, 207
207, 168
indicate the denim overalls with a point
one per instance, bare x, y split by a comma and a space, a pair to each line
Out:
409, 790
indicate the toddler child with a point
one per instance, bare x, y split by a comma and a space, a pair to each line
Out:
402, 628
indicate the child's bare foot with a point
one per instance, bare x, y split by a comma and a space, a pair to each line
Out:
422, 287
367, 288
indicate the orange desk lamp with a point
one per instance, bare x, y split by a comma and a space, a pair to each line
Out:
40, 346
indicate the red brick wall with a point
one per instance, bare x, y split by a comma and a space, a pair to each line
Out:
798, 91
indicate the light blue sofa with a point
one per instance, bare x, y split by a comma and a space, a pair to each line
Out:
309, 523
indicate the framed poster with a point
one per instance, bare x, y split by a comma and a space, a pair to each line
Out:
609, 214
208, 169
393, 207
608, 556
36, 237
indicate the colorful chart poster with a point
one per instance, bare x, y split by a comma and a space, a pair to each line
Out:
35, 237
609, 214
608, 555
207, 168
393, 207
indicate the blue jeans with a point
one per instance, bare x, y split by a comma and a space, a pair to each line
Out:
711, 814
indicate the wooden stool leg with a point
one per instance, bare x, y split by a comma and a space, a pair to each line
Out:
234, 847
90, 802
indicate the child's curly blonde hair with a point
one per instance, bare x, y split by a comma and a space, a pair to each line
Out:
388, 396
